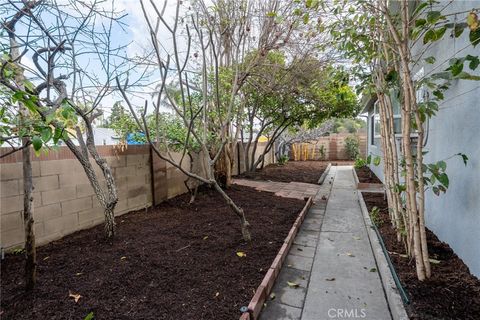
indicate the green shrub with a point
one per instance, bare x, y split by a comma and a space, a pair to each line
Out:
283, 160
375, 216
360, 163
352, 147
322, 152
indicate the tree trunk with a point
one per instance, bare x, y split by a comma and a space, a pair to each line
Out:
245, 226
30, 251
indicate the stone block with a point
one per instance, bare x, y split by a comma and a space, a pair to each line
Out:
12, 238
9, 188
137, 202
59, 195
47, 212
124, 172
51, 167
45, 183
11, 171
90, 215
84, 190
11, 204
76, 205
135, 159
11, 221
115, 162
73, 179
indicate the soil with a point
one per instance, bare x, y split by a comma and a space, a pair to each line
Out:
451, 292
365, 175
292, 171
174, 261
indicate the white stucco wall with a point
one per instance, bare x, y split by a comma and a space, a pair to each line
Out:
455, 216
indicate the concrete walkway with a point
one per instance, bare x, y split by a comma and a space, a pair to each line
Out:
331, 262
297, 190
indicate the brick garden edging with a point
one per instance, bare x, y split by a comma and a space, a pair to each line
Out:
264, 289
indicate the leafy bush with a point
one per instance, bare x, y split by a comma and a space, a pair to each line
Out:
322, 152
283, 160
352, 147
375, 216
360, 163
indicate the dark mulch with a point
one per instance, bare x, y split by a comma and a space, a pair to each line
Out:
365, 175
176, 261
298, 171
451, 293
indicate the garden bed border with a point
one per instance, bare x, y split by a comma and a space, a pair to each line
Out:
265, 287
367, 187
394, 300
324, 174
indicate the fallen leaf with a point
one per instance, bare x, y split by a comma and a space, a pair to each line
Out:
350, 254
75, 297
373, 270
434, 261
217, 294
123, 258
299, 249
89, 316
241, 254
272, 296
330, 279
78, 274
357, 238
46, 258
205, 238
293, 284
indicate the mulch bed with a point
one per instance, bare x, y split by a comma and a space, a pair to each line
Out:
451, 293
292, 171
365, 175
174, 261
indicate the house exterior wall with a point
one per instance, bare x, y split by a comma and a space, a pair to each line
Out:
455, 216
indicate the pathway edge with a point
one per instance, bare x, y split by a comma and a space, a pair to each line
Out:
394, 300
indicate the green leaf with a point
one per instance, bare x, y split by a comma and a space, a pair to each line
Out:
439, 33
442, 165
430, 60
89, 316
37, 143
46, 134
475, 37
464, 157
429, 36
467, 76
433, 16
420, 22
443, 178
458, 30
420, 8
474, 61
306, 18
456, 68
438, 94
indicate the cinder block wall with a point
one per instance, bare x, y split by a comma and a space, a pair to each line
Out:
64, 201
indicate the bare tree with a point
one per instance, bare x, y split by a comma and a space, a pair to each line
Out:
62, 87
